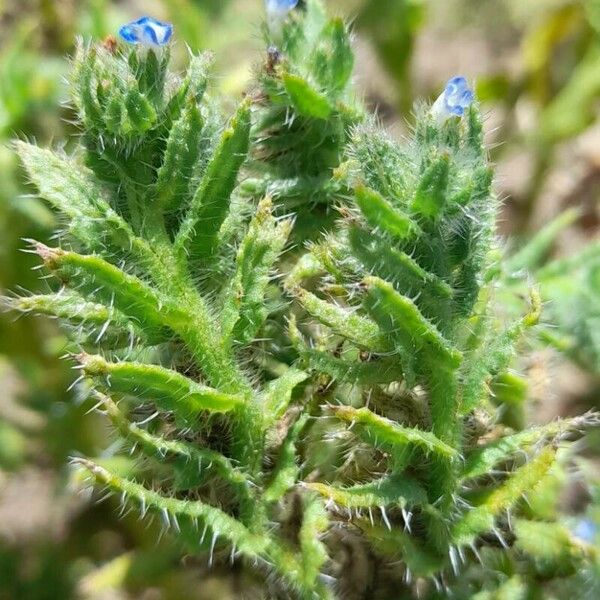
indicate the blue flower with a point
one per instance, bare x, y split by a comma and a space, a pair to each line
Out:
147, 32
280, 8
456, 97
585, 530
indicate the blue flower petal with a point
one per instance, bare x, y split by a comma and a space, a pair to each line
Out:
150, 34
129, 34
147, 31
585, 530
280, 7
456, 97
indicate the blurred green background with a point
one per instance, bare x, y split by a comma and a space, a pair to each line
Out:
536, 65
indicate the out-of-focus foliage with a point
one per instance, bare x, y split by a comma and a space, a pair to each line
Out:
571, 287
392, 26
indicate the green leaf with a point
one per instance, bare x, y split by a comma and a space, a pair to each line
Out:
178, 512
245, 308
494, 355
83, 80
572, 108
590, 255
285, 473
381, 215
198, 235
522, 481
98, 279
312, 549
512, 589
150, 71
104, 323
192, 461
431, 194
68, 186
553, 548
530, 255
169, 389
397, 490
308, 265
483, 460
375, 371
305, 99
359, 330
75, 191
402, 321
180, 159
379, 431
141, 114
278, 393
399, 544
397, 267
192, 87
333, 59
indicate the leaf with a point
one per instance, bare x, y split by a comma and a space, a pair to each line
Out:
69, 187
512, 589
98, 279
431, 194
554, 550
483, 460
494, 355
381, 215
104, 323
379, 431
408, 277
150, 71
192, 460
359, 330
532, 253
305, 99
192, 87
572, 109
313, 552
169, 389
398, 490
83, 80
75, 191
586, 258
285, 473
245, 310
178, 513
134, 568
376, 371
180, 159
399, 544
140, 112
333, 59
402, 321
278, 394
198, 235
522, 481
308, 265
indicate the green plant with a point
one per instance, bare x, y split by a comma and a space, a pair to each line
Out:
305, 107
388, 452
